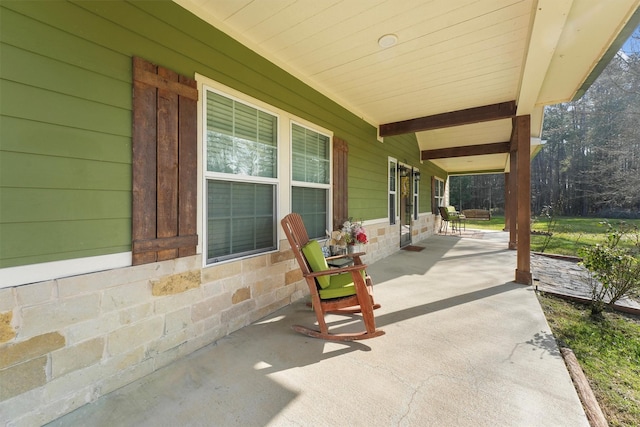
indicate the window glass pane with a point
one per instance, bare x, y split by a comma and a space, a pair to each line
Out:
311, 204
267, 129
241, 219
240, 139
392, 176
393, 172
392, 208
415, 198
439, 196
310, 156
298, 167
245, 122
219, 114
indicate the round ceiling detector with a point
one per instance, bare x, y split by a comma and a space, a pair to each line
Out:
388, 40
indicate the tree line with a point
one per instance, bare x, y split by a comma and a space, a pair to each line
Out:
590, 162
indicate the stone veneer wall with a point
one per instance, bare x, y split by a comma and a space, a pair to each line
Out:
66, 342
426, 226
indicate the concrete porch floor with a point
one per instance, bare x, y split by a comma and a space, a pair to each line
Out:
464, 346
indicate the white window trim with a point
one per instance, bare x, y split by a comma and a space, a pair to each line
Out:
32, 273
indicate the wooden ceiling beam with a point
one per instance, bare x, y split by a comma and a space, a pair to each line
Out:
503, 110
468, 150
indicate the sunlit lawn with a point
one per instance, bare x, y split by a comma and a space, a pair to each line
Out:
569, 233
608, 351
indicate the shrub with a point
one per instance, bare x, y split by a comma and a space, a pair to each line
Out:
614, 269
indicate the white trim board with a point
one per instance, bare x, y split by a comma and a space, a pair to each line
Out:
25, 274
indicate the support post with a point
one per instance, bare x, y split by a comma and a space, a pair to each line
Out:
506, 202
513, 188
523, 271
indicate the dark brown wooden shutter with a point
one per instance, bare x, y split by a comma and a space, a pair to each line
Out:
340, 182
164, 164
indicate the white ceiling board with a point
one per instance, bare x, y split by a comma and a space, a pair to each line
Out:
451, 54
473, 134
462, 165
444, 48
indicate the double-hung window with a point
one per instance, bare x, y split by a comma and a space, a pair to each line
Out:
310, 160
439, 192
393, 189
241, 178
416, 192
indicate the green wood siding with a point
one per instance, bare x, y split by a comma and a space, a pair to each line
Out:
65, 119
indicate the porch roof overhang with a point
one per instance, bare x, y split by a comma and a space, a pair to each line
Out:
451, 57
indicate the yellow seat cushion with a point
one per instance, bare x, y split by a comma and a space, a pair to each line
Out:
336, 286
452, 212
341, 285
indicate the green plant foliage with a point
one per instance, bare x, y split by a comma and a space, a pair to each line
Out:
550, 222
608, 350
615, 270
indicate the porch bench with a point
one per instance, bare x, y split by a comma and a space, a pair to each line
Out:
477, 214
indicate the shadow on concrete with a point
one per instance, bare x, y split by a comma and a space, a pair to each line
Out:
421, 310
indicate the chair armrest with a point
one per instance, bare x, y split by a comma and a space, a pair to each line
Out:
353, 255
333, 271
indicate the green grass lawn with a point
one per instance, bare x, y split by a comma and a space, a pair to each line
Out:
569, 233
608, 351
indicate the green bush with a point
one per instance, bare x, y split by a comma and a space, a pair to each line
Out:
614, 268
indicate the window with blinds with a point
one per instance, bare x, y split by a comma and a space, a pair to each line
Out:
241, 140
241, 172
439, 193
310, 160
393, 189
240, 219
416, 192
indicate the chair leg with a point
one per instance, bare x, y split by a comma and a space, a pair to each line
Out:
364, 305
317, 308
365, 300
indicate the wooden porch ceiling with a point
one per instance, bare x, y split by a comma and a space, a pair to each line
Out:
450, 57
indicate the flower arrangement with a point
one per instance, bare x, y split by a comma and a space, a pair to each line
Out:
354, 232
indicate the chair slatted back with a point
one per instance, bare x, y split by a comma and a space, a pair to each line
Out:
444, 213
297, 235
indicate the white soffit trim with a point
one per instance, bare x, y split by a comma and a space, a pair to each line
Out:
550, 17
32, 273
